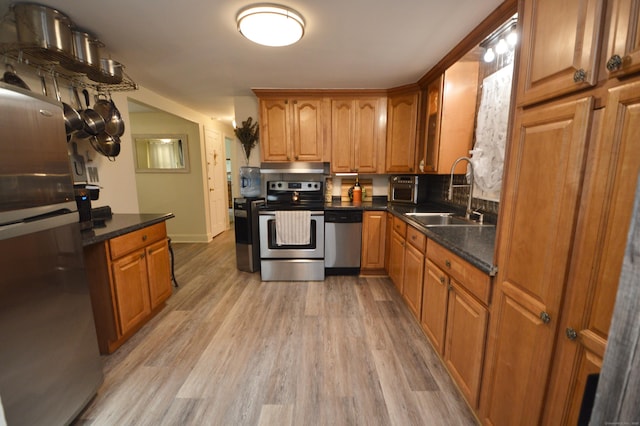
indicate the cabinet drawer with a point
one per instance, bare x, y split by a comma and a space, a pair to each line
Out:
124, 244
470, 277
416, 238
399, 226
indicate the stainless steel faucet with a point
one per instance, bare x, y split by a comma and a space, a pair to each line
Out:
469, 185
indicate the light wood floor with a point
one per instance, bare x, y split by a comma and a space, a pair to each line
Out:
229, 349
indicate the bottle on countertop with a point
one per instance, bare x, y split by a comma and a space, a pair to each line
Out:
357, 192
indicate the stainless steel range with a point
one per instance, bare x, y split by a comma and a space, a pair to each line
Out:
292, 232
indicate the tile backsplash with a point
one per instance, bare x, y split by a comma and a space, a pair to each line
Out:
439, 188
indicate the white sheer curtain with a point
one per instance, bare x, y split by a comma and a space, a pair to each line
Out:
491, 133
162, 155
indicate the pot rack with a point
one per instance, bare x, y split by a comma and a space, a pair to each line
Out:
20, 53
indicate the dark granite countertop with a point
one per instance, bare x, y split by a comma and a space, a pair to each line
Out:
121, 224
475, 244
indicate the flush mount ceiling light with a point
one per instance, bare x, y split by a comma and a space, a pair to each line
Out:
270, 25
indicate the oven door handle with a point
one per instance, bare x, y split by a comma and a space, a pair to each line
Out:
313, 213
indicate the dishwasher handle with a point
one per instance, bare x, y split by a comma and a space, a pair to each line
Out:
343, 216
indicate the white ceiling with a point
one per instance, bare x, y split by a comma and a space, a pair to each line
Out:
190, 50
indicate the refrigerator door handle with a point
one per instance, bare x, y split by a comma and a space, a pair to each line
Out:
29, 227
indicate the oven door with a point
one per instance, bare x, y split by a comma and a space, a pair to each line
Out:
403, 193
270, 250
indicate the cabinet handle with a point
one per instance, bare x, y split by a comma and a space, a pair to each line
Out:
295, 102
447, 263
144, 238
450, 287
579, 75
545, 317
614, 63
288, 158
142, 256
286, 102
296, 157
413, 237
441, 280
571, 334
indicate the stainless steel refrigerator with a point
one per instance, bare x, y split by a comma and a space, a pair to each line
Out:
50, 366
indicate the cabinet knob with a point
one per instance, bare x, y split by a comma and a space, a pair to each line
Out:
450, 287
296, 157
447, 263
144, 238
545, 317
288, 158
142, 256
579, 75
614, 63
441, 280
413, 237
571, 334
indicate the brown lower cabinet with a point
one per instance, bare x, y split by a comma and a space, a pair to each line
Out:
455, 316
374, 224
129, 279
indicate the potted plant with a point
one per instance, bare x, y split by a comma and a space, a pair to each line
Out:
249, 176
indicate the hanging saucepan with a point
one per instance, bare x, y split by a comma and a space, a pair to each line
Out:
93, 123
72, 119
107, 145
113, 123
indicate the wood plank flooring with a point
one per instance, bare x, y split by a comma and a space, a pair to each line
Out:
229, 349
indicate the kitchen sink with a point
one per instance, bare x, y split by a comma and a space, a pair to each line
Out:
441, 219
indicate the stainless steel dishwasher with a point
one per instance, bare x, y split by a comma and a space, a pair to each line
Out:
342, 241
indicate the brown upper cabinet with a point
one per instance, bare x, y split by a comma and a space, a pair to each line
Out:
450, 102
402, 119
623, 47
358, 134
561, 56
292, 129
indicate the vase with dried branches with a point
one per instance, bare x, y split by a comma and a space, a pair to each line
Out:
249, 176
248, 134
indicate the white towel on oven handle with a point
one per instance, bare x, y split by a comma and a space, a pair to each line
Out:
293, 227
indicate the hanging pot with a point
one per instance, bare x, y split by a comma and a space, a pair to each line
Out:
113, 123
107, 145
93, 123
72, 119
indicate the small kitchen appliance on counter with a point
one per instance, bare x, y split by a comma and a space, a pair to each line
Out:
293, 258
408, 189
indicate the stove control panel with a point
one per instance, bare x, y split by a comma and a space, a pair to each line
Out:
294, 186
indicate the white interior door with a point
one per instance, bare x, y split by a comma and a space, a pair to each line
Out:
216, 181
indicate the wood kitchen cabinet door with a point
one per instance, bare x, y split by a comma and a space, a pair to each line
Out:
466, 332
543, 183
402, 118
374, 225
559, 53
342, 129
159, 269
396, 260
131, 290
623, 45
598, 254
435, 301
412, 280
308, 132
275, 129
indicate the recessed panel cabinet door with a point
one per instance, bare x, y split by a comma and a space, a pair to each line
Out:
342, 123
131, 290
274, 119
159, 268
599, 252
623, 47
559, 53
402, 118
366, 138
543, 183
307, 133
435, 299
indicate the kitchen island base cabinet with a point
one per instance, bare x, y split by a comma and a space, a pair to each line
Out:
129, 279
